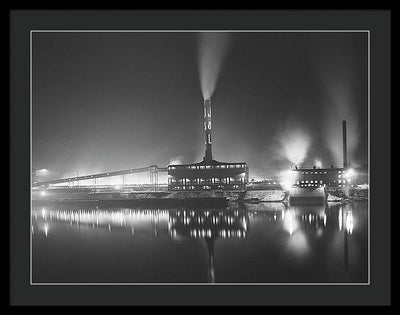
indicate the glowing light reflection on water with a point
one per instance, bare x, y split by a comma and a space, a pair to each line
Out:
250, 243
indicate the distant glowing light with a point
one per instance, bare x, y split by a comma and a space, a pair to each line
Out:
318, 163
287, 179
42, 172
350, 173
43, 193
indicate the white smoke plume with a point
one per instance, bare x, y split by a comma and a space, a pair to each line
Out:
176, 160
213, 48
318, 162
294, 144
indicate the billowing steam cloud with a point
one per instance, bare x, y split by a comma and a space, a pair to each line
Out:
176, 160
294, 145
212, 51
318, 162
287, 179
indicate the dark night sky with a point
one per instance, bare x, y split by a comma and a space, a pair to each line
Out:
110, 101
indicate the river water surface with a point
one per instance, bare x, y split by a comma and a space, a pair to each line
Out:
251, 243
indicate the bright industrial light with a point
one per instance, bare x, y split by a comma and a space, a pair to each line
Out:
43, 193
287, 179
42, 172
318, 163
350, 173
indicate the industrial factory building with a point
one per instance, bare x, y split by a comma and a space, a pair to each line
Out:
338, 177
208, 174
323, 177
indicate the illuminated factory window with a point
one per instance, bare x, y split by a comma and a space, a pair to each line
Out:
190, 180
339, 176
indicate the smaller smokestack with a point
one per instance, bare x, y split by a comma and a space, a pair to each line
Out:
344, 144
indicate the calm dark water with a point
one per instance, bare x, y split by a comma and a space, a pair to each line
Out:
255, 243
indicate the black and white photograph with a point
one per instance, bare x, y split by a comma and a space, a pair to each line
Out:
200, 157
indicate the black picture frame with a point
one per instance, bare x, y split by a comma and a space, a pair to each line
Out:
376, 293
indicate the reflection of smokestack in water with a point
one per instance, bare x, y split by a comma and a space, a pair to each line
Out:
207, 128
344, 144
210, 267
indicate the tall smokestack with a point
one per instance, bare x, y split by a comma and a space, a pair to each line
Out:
207, 128
344, 144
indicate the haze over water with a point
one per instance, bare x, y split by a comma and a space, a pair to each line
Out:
251, 243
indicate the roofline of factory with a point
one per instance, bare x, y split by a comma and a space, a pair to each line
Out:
328, 168
318, 168
212, 162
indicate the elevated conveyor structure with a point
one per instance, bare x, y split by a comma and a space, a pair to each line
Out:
152, 169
